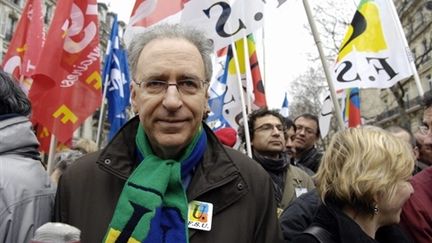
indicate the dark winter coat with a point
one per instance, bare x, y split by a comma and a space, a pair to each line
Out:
310, 159
240, 190
308, 210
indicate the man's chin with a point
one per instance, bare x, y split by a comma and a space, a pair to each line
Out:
172, 142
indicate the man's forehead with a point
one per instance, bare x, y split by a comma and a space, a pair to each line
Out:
267, 119
427, 116
305, 122
291, 130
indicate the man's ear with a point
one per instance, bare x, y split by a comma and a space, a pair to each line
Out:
133, 97
416, 152
206, 107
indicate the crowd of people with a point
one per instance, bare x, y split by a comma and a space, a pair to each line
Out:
167, 177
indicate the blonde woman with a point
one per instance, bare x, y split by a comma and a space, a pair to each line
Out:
363, 182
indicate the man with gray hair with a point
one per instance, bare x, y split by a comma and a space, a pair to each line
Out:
26, 192
165, 177
408, 137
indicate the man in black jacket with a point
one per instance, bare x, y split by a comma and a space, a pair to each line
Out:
307, 135
268, 133
165, 177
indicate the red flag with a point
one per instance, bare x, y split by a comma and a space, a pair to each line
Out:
352, 107
26, 45
257, 91
67, 81
44, 138
258, 85
146, 13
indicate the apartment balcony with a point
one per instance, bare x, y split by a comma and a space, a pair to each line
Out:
411, 106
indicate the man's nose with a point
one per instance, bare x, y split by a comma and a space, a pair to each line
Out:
172, 98
289, 143
301, 132
276, 131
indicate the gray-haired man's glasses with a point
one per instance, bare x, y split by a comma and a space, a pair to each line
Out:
184, 86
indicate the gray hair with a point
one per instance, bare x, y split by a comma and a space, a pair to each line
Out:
398, 129
427, 100
172, 31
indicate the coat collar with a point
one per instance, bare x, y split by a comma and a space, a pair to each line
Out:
216, 179
217, 168
119, 156
17, 137
337, 221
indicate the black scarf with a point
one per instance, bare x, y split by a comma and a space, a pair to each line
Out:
277, 171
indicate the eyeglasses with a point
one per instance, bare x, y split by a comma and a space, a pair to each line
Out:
184, 86
424, 129
306, 129
269, 127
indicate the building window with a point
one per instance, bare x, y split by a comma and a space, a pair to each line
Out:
407, 98
418, 20
17, 2
414, 56
429, 80
48, 12
10, 27
426, 49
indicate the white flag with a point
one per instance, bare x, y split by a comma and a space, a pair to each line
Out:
223, 21
373, 53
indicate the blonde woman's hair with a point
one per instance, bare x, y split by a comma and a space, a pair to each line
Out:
361, 163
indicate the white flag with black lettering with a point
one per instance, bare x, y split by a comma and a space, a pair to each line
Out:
373, 53
223, 21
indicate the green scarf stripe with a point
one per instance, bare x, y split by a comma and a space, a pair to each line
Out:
152, 180
154, 183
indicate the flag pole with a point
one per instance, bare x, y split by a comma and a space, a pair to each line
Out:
408, 51
105, 87
264, 59
415, 74
248, 75
324, 63
101, 113
51, 154
242, 100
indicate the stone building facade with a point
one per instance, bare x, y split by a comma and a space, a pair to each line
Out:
416, 19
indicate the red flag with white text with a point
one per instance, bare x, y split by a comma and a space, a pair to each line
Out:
26, 45
67, 81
